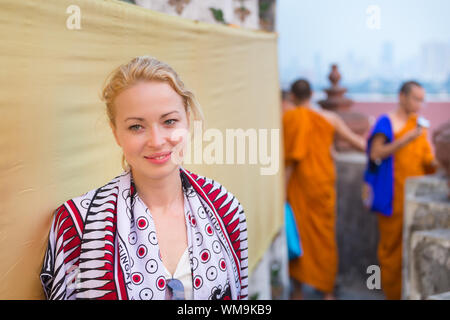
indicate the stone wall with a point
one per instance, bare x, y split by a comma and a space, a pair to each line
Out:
441, 296
425, 237
429, 263
356, 229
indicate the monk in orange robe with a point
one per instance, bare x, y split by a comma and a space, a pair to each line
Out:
412, 157
310, 177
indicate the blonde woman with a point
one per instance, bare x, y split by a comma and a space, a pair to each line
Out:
157, 231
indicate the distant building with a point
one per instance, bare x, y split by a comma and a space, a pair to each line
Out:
251, 14
435, 61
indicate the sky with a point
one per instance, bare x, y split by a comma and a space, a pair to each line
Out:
333, 30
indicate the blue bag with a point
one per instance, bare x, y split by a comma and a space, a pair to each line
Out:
292, 234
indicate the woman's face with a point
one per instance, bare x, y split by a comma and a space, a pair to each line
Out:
149, 117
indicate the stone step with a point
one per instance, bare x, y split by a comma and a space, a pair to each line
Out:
426, 208
430, 185
441, 296
430, 263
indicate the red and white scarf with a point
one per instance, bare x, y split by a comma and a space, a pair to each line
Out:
103, 246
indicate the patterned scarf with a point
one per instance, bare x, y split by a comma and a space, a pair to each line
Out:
103, 245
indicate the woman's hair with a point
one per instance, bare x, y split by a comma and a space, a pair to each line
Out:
141, 69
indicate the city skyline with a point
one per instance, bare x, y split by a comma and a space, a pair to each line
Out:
376, 44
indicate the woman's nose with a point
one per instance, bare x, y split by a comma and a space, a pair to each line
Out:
156, 137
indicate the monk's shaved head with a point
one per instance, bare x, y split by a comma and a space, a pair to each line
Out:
301, 90
408, 86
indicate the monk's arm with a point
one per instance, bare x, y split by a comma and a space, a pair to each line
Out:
288, 172
429, 161
432, 166
381, 150
347, 134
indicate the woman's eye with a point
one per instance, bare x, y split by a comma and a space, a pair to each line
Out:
170, 121
135, 127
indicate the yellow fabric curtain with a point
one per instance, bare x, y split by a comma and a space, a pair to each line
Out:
54, 138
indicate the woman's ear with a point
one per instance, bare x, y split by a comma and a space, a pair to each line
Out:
114, 131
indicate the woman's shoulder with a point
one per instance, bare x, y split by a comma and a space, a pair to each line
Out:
211, 185
215, 191
78, 206
73, 211
228, 208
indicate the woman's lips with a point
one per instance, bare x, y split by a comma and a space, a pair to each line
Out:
159, 158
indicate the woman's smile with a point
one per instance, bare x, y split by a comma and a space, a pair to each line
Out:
159, 158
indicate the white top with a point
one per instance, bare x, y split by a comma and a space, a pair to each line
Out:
182, 273
183, 270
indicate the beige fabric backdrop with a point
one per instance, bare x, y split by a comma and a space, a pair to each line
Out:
54, 139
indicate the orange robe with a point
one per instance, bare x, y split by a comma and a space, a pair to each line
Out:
414, 159
308, 140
